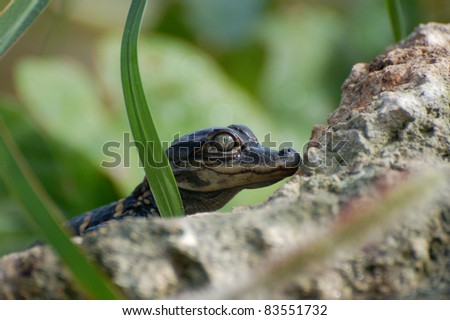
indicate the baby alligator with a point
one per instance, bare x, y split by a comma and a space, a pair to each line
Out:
210, 166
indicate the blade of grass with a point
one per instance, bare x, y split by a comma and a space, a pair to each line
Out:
151, 152
396, 18
46, 217
15, 18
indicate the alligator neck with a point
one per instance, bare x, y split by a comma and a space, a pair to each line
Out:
141, 203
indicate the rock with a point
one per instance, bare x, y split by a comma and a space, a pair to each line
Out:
393, 122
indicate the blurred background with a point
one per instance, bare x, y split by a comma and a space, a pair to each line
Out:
275, 66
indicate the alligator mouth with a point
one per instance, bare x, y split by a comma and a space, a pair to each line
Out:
245, 174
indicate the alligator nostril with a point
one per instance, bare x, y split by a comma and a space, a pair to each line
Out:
286, 152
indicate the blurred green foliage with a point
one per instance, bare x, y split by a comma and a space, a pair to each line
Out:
276, 66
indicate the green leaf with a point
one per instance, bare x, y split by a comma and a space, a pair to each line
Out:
151, 152
16, 18
396, 16
59, 90
191, 91
47, 218
71, 110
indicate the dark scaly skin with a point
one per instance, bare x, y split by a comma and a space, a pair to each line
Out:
211, 166
139, 203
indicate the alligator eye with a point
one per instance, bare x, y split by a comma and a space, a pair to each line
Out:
224, 141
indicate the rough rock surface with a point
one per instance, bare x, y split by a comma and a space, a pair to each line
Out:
393, 121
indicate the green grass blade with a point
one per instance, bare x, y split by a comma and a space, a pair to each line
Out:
151, 152
396, 18
16, 18
41, 211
